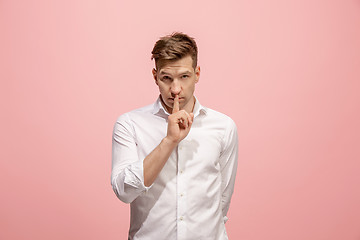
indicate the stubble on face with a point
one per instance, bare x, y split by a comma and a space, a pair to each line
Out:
177, 78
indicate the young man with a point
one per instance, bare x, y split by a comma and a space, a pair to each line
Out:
175, 160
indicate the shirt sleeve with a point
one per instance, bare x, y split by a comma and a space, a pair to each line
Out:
127, 174
228, 164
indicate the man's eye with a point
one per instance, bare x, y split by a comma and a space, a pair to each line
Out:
184, 76
165, 78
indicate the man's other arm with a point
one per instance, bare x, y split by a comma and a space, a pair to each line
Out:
228, 163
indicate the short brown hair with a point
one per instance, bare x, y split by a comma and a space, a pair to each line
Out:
174, 47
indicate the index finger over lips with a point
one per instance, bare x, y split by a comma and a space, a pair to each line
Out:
176, 104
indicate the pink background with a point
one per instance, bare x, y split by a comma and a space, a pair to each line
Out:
288, 73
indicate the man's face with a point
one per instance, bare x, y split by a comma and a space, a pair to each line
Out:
177, 78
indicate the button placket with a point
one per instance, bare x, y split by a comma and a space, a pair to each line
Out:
181, 190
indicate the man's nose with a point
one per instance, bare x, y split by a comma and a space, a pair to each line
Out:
175, 87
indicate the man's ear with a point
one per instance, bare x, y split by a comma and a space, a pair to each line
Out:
197, 74
154, 73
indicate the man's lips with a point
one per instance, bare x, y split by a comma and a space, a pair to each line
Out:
172, 99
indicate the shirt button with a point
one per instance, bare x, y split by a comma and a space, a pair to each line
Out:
181, 171
181, 218
180, 148
181, 195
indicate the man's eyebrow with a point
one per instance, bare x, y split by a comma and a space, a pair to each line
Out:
164, 73
181, 73
186, 72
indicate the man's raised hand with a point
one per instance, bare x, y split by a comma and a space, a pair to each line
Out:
179, 122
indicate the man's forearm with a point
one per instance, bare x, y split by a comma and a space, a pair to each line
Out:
155, 161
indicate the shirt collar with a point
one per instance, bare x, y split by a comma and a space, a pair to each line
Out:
161, 111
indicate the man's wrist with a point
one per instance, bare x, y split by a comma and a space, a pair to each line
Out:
169, 142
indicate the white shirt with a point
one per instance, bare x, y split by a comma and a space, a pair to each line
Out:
191, 195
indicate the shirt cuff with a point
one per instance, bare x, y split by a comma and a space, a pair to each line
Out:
134, 176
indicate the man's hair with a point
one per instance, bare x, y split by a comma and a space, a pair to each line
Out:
174, 47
